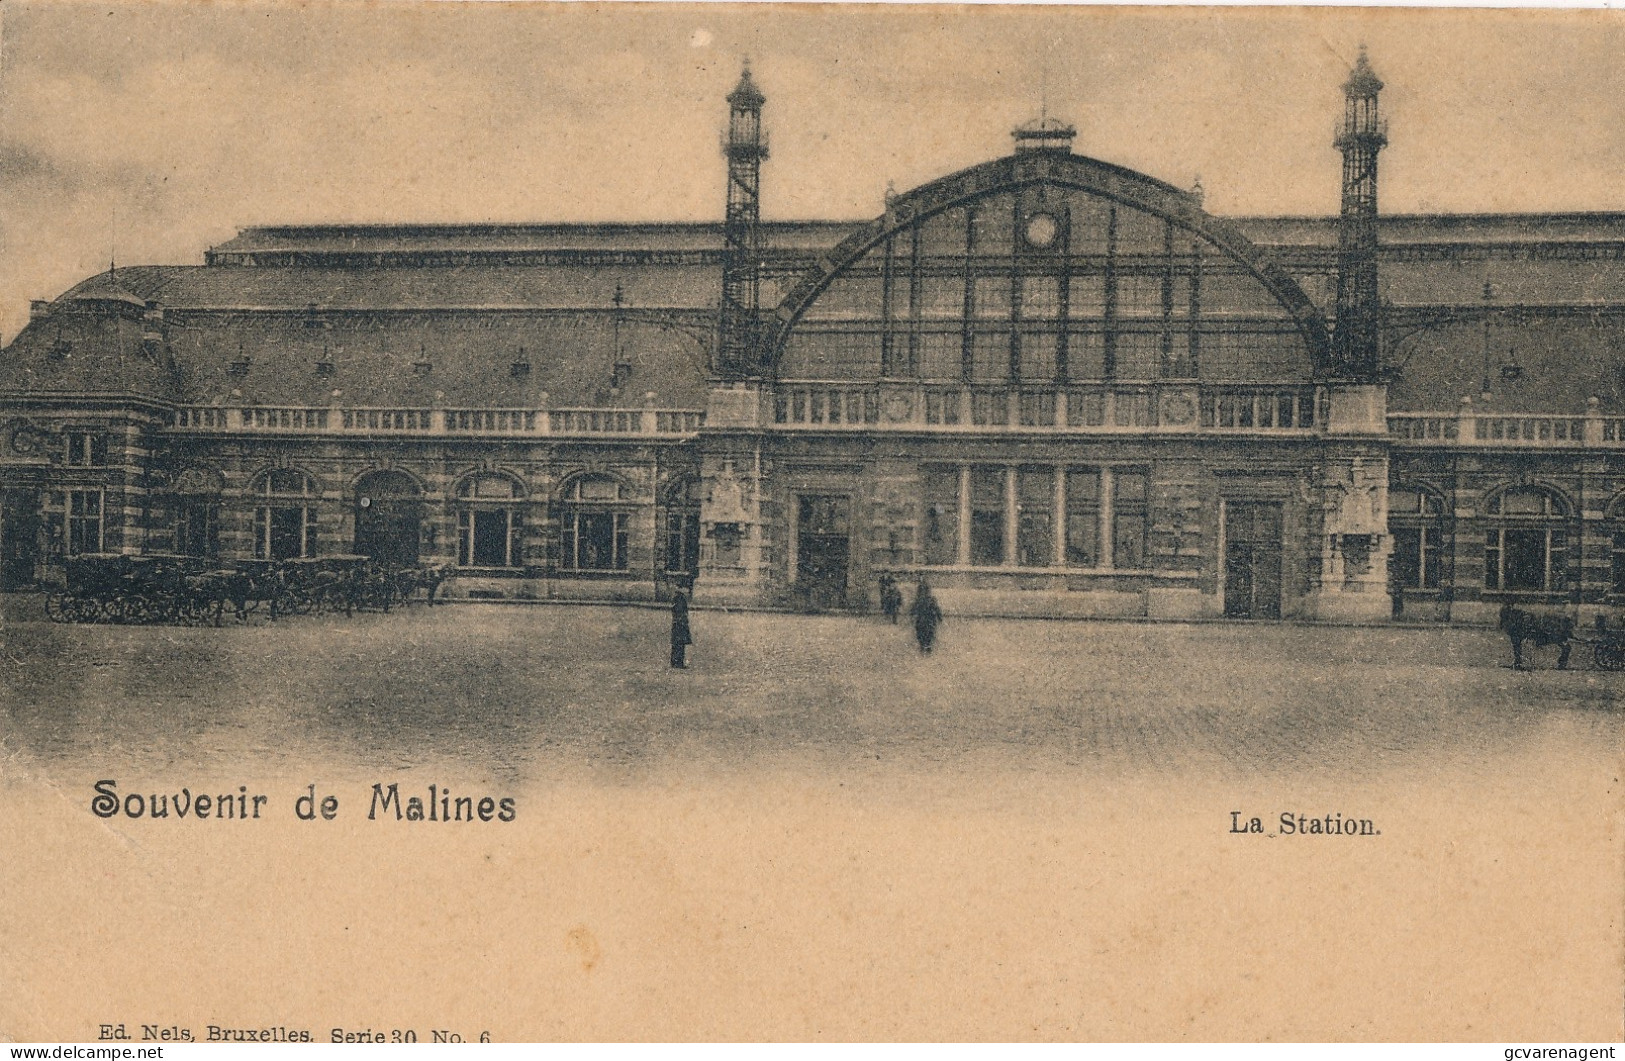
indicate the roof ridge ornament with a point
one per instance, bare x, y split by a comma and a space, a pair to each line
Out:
1045, 134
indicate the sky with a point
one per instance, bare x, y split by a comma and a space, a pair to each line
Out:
152, 130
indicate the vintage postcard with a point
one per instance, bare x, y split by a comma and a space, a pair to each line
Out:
665, 522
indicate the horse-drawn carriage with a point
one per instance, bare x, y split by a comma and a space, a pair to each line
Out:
164, 588
1607, 643
152, 588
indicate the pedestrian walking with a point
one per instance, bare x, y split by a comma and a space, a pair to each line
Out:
891, 598
927, 615
681, 638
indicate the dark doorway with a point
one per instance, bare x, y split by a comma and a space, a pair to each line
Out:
388, 519
19, 537
823, 549
1252, 560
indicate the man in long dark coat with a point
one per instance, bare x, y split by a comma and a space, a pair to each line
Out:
927, 617
681, 638
891, 598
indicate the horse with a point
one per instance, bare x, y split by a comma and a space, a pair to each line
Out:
409, 580
1541, 628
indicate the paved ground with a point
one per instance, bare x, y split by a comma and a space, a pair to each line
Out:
816, 832
514, 690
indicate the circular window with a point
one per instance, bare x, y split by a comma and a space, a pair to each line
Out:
1042, 230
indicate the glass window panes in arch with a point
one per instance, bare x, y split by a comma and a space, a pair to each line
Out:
593, 525
1526, 541
285, 518
1046, 284
489, 522
1416, 521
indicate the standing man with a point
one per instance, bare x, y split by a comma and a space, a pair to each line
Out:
680, 636
927, 617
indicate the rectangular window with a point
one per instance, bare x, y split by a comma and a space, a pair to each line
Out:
86, 449
682, 541
1129, 519
1035, 506
487, 537
942, 296
991, 360
196, 529
1085, 408
84, 522
1085, 355
1040, 298
1415, 561
1139, 296
1525, 558
987, 516
940, 485
993, 297
287, 533
1038, 354
942, 405
1038, 408
1086, 297
990, 407
1083, 517
1619, 562
594, 541
1139, 355
941, 355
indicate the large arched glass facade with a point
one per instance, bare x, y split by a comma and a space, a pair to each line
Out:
1047, 282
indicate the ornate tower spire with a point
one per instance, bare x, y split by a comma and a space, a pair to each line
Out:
1363, 134
745, 147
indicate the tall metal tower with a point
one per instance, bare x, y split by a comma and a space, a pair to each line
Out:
745, 147
1359, 303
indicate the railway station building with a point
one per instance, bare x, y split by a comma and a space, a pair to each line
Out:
1048, 384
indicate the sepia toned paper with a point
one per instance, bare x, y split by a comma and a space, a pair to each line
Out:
1037, 831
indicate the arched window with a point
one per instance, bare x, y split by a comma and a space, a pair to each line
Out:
682, 521
488, 522
1526, 541
1416, 520
593, 519
285, 518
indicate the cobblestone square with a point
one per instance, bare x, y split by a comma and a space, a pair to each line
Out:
522, 690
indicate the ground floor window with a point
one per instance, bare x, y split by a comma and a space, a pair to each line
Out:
595, 541
1129, 522
987, 516
84, 522
285, 520
1415, 520
489, 522
593, 526
1036, 516
1526, 542
197, 527
284, 533
682, 543
941, 510
485, 537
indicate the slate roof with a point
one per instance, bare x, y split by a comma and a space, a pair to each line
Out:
1558, 313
